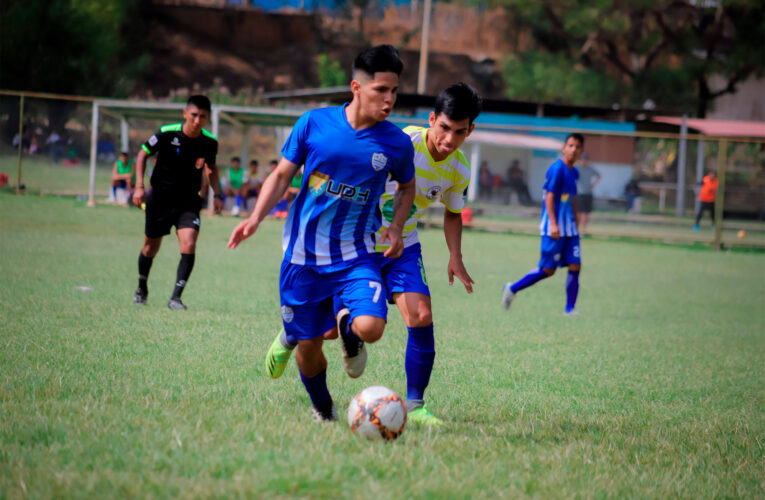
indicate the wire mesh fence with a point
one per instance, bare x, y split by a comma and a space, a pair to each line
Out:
646, 185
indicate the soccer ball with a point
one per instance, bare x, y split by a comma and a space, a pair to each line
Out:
377, 413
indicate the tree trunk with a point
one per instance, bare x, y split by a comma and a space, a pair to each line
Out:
703, 98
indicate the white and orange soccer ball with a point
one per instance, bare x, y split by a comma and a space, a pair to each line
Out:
377, 413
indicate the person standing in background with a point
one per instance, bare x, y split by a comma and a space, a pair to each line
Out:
707, 196
588, 179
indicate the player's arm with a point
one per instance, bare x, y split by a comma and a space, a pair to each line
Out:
402, 207
213, 178
139, 195
271, 193
595, 180
453, 235
550, 206
115, 176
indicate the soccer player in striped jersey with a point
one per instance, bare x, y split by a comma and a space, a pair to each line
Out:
442, 172
329, 238
558, 227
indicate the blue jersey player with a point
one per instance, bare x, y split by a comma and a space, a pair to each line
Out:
442, 173
560, 235
329, 236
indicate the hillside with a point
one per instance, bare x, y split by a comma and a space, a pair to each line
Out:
250, 51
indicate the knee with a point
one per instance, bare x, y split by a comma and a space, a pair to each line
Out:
309, 348
422, 317
368, 328
548, 272
150, 249
575, 267
188, 247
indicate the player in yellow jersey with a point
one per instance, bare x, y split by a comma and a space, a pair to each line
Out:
442, 173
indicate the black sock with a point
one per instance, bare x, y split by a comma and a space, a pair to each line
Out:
182, 276
144, 266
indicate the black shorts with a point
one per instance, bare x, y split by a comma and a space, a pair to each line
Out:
585, 203
162, 215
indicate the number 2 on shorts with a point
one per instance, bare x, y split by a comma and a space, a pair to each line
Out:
378, 290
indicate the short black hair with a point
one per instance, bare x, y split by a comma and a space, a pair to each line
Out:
579, 137
274, 161
236, 158
380, 58
124, 153
459, 101
253, 162
200, 101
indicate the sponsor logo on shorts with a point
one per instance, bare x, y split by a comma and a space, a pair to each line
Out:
433, 193
287, 314
556, 257
196, 222
379, 160
200, 163
153, 140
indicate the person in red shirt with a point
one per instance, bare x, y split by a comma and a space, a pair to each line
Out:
707, 198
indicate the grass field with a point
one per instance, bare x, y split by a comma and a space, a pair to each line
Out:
40, 174
657, 390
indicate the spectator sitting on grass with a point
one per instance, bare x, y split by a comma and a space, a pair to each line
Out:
236, 183
123, 179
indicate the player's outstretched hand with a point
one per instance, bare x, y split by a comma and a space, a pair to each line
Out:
396, 247
457, 268
241, 232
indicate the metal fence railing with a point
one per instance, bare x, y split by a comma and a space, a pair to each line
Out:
46, 146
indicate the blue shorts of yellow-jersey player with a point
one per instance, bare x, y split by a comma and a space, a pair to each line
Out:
307, 292
406, 273
560, 253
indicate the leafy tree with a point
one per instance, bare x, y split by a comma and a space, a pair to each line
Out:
87, 47
550, 77
330, 72
666, 51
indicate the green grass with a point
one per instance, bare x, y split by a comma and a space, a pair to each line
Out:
40, 174
657, 390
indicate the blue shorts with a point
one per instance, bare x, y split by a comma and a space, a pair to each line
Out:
560, 253
405, 274
306, 295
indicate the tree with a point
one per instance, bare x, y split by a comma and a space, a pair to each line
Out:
72, 47
665, 51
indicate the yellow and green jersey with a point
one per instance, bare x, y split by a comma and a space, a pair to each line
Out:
444, 180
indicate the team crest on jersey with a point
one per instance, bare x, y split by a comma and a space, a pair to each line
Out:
200, 163
287, 314
379, 160
317, 183
175, 142
564, 197
433, 193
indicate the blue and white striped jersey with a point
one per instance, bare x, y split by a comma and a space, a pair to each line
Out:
561, 181
335, 215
